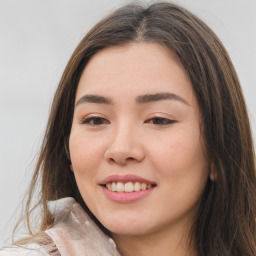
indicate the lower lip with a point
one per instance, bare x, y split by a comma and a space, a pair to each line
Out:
123, 197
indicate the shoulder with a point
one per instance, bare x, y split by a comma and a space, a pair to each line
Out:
72, 233
75, 232
26, 250
41, 244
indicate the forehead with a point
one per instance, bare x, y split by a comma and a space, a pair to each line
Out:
136, 68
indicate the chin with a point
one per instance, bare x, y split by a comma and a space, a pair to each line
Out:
128, 231
126, 226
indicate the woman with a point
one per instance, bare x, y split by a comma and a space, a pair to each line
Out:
149, 136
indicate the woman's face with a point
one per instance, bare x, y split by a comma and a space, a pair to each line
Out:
135, 143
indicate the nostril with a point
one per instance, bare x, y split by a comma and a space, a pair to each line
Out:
121, 160
112, 160
130, 158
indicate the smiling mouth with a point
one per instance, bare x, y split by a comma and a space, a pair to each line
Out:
128, 187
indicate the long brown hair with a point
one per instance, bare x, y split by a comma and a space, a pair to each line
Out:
225, 223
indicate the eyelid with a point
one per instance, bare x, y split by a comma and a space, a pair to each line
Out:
160, 116
86, 119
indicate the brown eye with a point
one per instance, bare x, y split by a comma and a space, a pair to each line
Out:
160, 121
95, 121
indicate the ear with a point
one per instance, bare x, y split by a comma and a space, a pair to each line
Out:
71, 168
213, 173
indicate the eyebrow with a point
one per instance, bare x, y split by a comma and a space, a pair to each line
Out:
147, 98
142, 99
91, 98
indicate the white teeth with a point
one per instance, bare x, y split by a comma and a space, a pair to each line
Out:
113, 187
143, 186
136, 186
119, 187
127, 187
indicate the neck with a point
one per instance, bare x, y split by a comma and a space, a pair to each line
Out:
164, 243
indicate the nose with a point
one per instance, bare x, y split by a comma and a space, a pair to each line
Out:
124, 147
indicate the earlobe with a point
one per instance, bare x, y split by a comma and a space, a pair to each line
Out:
213, 173
71, 168
212, 177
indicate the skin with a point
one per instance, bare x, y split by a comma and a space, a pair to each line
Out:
160, 141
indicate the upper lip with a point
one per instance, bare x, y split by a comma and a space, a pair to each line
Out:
125, 178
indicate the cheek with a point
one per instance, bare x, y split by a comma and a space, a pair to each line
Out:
85, 153
179, 155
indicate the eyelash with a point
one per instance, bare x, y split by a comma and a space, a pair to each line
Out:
89, 121
97, 121
161, 121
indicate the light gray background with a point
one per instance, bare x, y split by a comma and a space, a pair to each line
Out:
36, 40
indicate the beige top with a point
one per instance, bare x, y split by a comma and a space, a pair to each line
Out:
74, 233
